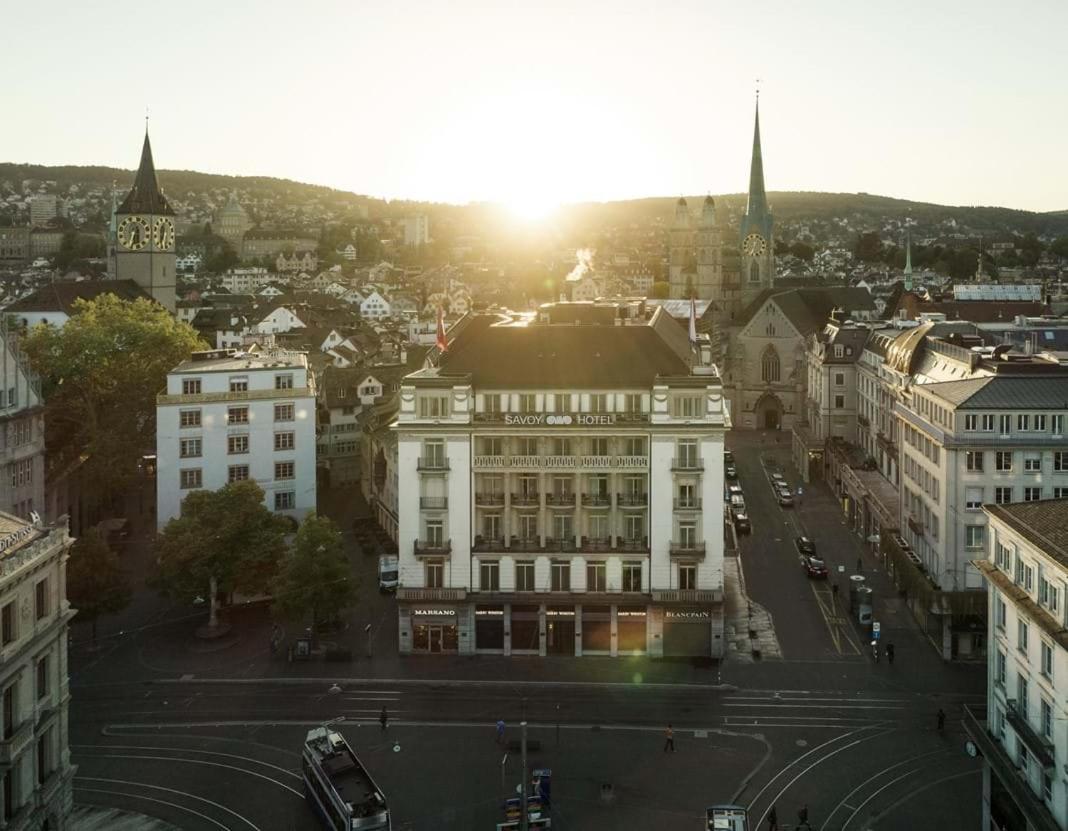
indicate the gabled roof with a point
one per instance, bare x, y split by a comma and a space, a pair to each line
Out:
1004, 393
60, 296
1044, 523
145, 197
808, 308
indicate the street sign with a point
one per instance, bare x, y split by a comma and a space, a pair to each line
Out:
799, 490
841, 569
875, 629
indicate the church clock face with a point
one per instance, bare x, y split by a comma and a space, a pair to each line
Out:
163, 233
133, 233
754, 245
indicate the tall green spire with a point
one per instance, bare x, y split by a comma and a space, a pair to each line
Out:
908, 261
758, 200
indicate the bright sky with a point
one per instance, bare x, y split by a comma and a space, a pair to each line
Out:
535, 103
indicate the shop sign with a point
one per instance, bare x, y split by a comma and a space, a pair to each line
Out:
559, 613
434, 612
560, 420
691, 614
630, 613
489, 612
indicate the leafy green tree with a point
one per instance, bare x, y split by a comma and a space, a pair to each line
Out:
224, 541
223, 258
661, 291
803, 251
100, 376
315, 578
96, 583
1059, 247
868, 247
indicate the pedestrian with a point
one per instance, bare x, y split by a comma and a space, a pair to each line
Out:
773, 820
860, 565
941, 720
383, 719
500, 730
802, 817
890, 653
875, 650
669, 740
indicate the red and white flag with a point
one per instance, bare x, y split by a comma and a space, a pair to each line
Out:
443, 343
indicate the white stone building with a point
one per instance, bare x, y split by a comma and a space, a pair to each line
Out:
375, 307
561, 488
228, 416
35, 766
416, 230
22, 433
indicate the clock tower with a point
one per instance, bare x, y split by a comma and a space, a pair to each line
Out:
757, 229
144, 235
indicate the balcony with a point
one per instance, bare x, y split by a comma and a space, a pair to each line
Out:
690, 550
560, 461
686, 504
597, 500
632, 500
1041, 747
687, 596
433, 463
594, 545
433, 502
431, 595
595, 461
524, 461
489, 461
17, 741
524, 546
560, 500
490, 499
633, 545
526, 499
567, 544
687, 463
432, 548
482, 543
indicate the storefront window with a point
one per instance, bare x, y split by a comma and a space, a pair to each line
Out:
630, 626
489, 627
525, 632
596, 629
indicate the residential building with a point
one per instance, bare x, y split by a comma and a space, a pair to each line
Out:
228, 416
43, 209
45, 242
14, 246
53, 303
416, 230
245, 280
22, 439
1022, 734
560, 488
374, 306
36, 769
259, 243
307, 261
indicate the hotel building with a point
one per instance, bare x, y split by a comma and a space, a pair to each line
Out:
560, 488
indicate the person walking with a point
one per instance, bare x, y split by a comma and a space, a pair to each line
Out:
383, 719
889, 653
773, 819
802, 817
500, 730
669, 740
941, 720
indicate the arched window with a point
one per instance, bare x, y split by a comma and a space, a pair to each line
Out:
769, 365
754, 272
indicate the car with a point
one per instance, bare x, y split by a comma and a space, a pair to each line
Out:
785, 499
776, 478
814, 566
734, 490
737, 501
388, 566
805, 546
741, 522
728, 457
730, 471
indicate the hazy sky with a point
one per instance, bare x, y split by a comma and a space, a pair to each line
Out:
954, 101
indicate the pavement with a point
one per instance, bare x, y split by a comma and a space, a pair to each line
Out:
208, 735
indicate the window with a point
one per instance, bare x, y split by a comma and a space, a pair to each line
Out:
598, 403
839, 402
632, 576
284, 441
839, 379
526, 447
491, 527
1021, 695
190, 386
434, 574
1005, 424
1047, 660
687, 576
1021, 635
599, 447
433, 406
769, 365
10, 804
528, 402
1003, 461
1039, 423
283, 412
40, 599
434, 453
189, 418
1002, 556
1057, 425
236, 444
189, 448
596, 577
561, 447
492, 447
1023, 421
239, 384
524, 576
237, 473
974, 461
237, 415
1033, 462
1032, 494
973, 499
988, 423
493, 404
435, 533
10, 696
285, 500
7, 624
634, 446
634, 527
1060, 493
1060, 460
42, 677
971, 422
973, 536
1045, 718
999, 668
687, 496
687, 450
44, 756
189, 478
561, 576
21, 473
688, 406
283, 382
839, 350
632, 403
1002, 496
687, 534
489, 575
284, 470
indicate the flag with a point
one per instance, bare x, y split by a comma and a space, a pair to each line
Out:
693, 323
442, 343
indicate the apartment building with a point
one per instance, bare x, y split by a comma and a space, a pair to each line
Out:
22, 439
35, 763
1022, 735
560, 488
228, 416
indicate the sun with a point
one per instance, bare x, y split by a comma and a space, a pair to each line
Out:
531, 208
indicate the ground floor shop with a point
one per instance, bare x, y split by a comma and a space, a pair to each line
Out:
567, 629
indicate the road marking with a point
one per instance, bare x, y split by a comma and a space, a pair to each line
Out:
794, 693
174, 805
922, 788
892, 782
245, 820
789, 706
835, 624
196, 762
189, 750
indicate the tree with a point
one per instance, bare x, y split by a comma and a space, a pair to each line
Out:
224, 541
1059, 247
96, 583
225, 257
100, 376
868, 247
315, 577
803, 251
661, 291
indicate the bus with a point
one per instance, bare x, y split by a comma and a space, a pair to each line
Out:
338, 786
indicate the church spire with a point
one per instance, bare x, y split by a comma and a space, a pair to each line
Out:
758, 200
145, 197
908, 261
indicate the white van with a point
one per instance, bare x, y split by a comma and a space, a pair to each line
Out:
388, 574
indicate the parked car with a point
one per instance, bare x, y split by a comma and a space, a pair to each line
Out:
814, 566
805, 546
730, 471
734, 490
741, 523
737, 501
786, 499
728, 457
776, 478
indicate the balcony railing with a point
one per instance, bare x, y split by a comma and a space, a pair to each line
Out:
687, 596
560, 461
687, 549
482, 543
560, 500
433, 502
525, 546
567, 544
595, 544
431, 595
432, 548
632, 500
687, 504
489, 498
687, 463
492, 462
524, 461
526, 499
634, 545
597, 500
433, 463
1040, 747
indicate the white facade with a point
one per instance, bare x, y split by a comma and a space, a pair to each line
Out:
34, 741
228, 416
416, 230
245, 280
279, 320
375, 306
